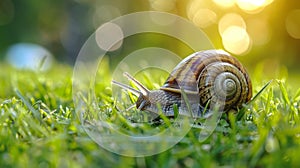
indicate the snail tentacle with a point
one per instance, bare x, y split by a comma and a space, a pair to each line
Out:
141, 87
128, 88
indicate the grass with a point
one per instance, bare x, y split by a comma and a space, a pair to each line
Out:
39, 127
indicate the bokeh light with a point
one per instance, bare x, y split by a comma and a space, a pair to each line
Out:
238, 33
225, 3
29, 56
200, 15
292, 24
193, 7
236, 40
204, 18
268, 23
163, 5
253, 6
109, 37
231, 19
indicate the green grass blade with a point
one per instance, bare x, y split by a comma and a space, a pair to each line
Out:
35, 113
42, 62
243, 109
297, 95
259, 92
284, 92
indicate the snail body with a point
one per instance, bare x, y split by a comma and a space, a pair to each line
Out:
208, 78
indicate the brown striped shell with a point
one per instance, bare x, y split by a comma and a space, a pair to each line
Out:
215, 75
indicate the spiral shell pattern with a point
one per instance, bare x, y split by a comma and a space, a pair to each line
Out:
215, 75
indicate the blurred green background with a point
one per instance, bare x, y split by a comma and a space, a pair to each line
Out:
264, 34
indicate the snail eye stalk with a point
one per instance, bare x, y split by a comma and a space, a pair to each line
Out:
128, 88
141, 87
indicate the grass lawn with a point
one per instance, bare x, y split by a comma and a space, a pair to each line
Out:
39, 128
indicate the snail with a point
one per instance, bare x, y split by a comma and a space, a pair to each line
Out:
208, 78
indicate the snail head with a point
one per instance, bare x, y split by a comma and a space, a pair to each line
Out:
142, 93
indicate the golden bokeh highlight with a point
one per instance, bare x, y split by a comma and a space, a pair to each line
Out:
292, 24
237, 35
224, 3
253, 6
236, 40
248, 6
231, 19
204, 18
193, 7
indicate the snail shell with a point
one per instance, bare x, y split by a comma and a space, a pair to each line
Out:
211, 77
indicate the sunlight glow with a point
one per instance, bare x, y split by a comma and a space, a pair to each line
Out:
193, 7
236, 40
231, 19
225, 3
237, 36
253, 6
